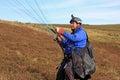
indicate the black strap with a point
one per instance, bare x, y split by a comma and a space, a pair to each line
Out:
87, 36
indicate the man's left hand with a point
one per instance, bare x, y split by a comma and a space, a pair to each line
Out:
59, 31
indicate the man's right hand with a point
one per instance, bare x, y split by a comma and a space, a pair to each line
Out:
59, 39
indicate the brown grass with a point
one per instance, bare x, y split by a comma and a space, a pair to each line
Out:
28, 53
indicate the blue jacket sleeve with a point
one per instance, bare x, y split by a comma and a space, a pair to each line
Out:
78, 36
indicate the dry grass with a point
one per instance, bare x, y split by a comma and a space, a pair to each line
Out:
28, 53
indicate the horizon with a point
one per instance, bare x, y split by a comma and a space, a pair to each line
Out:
55, 23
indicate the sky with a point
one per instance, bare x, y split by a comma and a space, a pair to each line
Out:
59, 11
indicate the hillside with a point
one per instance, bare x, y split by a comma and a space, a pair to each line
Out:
27, 53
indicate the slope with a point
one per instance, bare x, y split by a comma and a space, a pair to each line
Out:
29, 54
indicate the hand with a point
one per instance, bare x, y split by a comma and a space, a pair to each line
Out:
59, 31
59, 39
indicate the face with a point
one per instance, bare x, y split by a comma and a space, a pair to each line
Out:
74, 25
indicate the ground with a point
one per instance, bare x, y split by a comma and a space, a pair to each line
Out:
29, 54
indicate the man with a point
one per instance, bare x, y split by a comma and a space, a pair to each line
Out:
75, 40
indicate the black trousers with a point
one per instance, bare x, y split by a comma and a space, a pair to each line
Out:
65, 71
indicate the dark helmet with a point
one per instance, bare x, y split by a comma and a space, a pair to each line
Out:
75, 19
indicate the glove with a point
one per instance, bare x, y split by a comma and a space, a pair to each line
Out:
60, 31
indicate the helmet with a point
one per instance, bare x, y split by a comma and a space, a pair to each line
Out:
75, 19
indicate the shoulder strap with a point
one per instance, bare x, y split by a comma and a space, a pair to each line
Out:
87, 36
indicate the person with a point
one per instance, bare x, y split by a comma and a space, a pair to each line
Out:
75, 40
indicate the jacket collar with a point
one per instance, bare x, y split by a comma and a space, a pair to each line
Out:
77, 29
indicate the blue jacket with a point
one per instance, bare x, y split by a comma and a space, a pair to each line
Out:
74, 40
